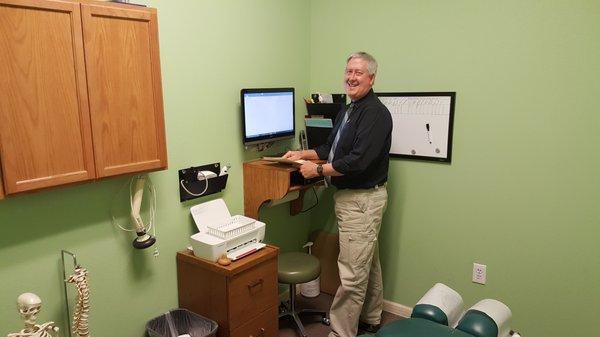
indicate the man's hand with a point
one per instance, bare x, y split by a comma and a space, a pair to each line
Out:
293, 155
309, 170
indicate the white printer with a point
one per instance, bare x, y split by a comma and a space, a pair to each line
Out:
220, 233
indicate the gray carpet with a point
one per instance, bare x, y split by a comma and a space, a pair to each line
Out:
313, 325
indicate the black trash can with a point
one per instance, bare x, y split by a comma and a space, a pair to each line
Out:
179, 322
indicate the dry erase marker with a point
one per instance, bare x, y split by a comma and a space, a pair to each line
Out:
428, 136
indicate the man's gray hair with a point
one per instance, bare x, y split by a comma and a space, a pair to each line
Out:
371, 62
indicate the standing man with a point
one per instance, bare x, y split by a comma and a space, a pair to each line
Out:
357, 153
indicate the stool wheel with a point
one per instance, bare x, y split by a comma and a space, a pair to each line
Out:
326, 321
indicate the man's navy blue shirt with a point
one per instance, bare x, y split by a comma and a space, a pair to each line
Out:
362, 153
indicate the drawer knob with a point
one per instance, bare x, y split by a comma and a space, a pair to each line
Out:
261, 332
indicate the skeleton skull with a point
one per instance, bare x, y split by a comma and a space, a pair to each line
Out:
29, 306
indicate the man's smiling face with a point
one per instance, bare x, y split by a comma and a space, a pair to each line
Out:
358, 81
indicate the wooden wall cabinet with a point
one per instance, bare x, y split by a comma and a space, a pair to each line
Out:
242, 297
81, 92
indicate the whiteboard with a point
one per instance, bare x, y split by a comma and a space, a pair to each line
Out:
422, 124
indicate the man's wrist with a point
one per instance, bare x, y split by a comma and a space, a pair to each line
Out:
320, 170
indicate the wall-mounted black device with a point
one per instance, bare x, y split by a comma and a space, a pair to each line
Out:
200, 181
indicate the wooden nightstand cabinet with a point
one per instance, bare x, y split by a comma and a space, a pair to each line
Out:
242, 297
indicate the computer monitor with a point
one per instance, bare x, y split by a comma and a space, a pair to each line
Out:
267, 114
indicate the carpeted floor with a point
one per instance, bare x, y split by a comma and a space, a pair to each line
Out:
312, 324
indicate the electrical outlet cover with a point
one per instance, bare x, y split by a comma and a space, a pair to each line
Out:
479, 273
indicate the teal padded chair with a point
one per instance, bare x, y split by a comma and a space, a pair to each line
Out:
429, 324
487, 318
433, 317
295, 268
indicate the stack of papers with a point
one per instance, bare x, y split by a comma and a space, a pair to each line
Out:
282, 160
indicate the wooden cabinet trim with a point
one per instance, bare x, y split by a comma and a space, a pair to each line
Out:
120, 11
235, 267
65, 6
158, 93
135, 167
59, 179
1, 178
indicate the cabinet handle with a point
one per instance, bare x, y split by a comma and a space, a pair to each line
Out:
261, 332
255, 283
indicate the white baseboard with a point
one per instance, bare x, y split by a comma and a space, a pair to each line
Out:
397, 309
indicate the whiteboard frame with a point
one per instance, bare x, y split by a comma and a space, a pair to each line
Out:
449, 120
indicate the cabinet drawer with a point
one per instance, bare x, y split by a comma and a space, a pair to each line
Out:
252, 292
265, 325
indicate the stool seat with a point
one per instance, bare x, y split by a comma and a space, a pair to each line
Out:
296, 268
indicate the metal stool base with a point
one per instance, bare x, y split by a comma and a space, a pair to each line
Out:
295, 314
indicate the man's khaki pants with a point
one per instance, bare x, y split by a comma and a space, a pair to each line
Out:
360, 295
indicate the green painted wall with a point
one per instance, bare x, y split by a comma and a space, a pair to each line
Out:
520, 196
522, 193
209, 51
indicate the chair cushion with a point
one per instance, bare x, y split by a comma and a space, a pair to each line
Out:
478, 324
430, 312
294, 268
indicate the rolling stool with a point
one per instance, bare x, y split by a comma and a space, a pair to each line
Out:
294, 268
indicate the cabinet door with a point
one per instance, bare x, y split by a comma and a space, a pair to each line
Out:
124, 84
1, 186
45, 136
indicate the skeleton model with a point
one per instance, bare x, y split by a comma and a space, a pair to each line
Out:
29, 306
80, 318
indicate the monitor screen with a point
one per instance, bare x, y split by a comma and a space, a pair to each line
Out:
268, 114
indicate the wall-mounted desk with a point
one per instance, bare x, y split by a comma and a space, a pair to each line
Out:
264, 181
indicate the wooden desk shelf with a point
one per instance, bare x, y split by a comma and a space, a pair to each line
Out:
265, 181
